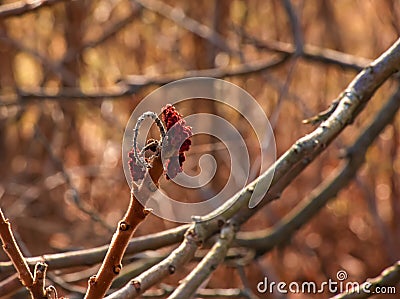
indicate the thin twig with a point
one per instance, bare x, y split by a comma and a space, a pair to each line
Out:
180, 18
295, 27
310, 52
133, 84
92, 256
307, 148
33, 283
74, 192
11, 248
283, 93
263, 241
57, 69
112, 264
108, 33
22, 7
155, 274
189, 285
165, 290
139, 122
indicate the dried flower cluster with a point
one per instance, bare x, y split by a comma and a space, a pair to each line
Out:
136, 169
176, 143
177, 139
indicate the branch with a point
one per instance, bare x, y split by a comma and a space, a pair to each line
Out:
166, 290
57, 69
112, 263
306, 149
33, 283
235, 70
136, 213
89, 257
263, 241
107, 34
75, 194
21, 7
180, 18
310, 52
295, 27
209, 263
11, 248
284, 170
39, 280
181, 255
388, 278
133, 84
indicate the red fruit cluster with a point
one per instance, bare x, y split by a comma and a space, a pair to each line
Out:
137, 170
178, 135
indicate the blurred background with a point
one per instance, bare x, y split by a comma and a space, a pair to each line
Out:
73, 72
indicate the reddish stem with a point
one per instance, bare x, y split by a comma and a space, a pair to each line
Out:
11, 248
136, 213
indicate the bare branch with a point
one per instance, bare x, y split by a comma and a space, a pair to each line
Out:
306, 149
133, 84
180, 256
58, 69
284, 170
89, 257
135, 214
295, 27
189, 285
74, 192
310, 52
39, 280
21, 7
165, 290
263, 241
179, 17
11, 248
112, 263
33, 283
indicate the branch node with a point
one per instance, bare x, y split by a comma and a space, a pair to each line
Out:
137, 285
220, 223
124, 226
147, 211
171, 269
117, 269
92, 280
51, 292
